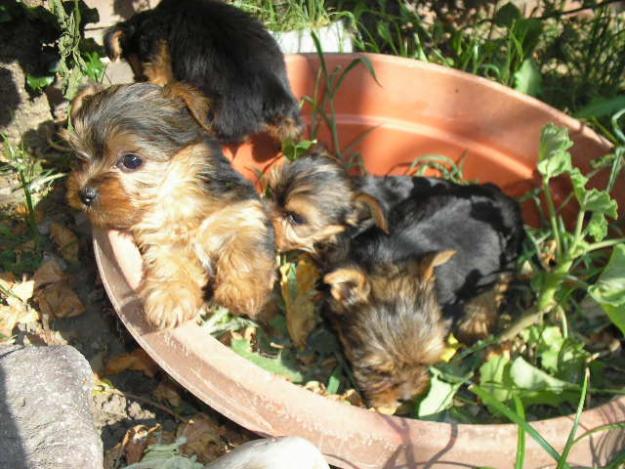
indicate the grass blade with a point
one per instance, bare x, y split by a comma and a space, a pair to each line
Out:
580, 407
505, 410
520, 445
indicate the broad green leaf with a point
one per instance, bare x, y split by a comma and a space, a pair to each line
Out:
600, 201
277, 364
492, 377
439, 397
528, 78
507, 15
553, 156
537, 387
609, 290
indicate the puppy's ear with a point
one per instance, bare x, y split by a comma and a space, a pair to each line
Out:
348, 285
113, 41
367, 203
82, 96
197, 104
430, 261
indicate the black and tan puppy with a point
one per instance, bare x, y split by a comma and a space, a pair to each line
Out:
148, 167
314, 202
221, 50
393, 297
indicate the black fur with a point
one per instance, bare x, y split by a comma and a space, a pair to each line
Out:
479, 222
225, 53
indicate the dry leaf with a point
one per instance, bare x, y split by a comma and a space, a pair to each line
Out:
135, 361
298, 294
451, 347
135, 441
18, 291
48, 272
59, 300
14, 314
66, 241
204, 438
166, 392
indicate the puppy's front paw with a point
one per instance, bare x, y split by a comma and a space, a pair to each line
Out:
168, 305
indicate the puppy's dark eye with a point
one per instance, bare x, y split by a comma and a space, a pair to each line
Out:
129, 162
294, 218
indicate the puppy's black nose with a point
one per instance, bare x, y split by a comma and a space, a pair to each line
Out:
88, 194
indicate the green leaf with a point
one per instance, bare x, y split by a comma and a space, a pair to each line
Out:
278, 364
528, 78
492, 377
38, 84
439, 397
597, 227
602, 107
570, 441
609, 290
537, 387
507, 15
485, 396
553, 156
334, 382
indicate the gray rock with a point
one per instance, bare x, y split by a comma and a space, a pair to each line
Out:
45, 414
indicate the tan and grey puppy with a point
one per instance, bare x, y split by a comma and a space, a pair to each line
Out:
148, 167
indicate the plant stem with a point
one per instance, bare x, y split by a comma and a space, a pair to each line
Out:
552, 217
605, 244
546, 301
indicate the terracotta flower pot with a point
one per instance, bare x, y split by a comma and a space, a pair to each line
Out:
417, 109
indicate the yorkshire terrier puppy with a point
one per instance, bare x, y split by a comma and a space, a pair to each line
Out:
221, 50
315, 203
148, 167
394, 297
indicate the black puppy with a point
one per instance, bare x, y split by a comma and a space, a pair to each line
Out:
393, 297
221, 50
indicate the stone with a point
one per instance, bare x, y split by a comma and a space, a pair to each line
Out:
45, 409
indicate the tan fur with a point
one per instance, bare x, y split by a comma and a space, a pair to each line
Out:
367, 202
81, 96
196, 102
481, 313
159, 70
115, 45
287, 128
390, 359
227, 242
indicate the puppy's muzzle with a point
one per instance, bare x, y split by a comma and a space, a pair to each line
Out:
88, 195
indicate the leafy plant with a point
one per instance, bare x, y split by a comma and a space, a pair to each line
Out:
577, 251
78, 57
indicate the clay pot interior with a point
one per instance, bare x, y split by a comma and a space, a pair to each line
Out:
416, 109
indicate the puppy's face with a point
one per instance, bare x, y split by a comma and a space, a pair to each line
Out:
126, 138
390, 324
311, 202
